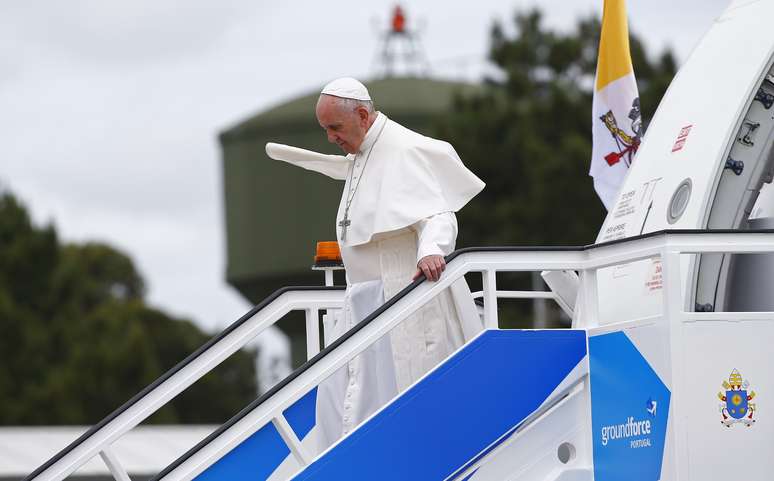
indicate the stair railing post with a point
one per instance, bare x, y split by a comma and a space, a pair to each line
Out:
312, 332
111, 461
490, 299
291, 440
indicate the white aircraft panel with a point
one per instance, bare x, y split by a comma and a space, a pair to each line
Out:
697, 121
673, 181
713, 350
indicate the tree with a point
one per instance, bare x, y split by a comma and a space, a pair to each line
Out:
77, 339
527, 134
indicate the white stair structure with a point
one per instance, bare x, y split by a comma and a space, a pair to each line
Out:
544, 404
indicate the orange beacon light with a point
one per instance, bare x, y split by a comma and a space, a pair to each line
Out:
328, 258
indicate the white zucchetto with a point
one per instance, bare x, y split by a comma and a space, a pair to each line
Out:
347, 88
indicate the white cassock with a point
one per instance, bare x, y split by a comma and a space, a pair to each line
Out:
404, 190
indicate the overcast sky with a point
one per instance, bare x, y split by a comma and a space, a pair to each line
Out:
109, 110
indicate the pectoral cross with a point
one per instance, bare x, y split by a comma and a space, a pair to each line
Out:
344, 224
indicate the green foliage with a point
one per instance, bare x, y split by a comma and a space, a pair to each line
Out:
77, 340
527, 134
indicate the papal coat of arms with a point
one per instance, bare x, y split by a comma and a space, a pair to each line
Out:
737, 407
627, 143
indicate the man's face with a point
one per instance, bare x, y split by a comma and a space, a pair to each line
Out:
343, 126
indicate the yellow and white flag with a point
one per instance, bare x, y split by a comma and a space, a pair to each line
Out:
617, 125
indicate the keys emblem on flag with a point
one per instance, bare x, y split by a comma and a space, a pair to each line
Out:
626, 143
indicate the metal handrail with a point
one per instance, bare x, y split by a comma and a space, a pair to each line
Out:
100, 437
518, 295
488, 261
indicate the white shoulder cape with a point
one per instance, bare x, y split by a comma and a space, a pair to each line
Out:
408, 177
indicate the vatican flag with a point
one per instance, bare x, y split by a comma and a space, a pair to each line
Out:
617, 126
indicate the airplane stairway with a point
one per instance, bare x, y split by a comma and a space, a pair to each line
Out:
550, 405
452, 416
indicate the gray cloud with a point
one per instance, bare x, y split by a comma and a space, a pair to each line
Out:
117, 32
110, 110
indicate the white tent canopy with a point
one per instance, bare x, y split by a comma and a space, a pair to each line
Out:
23, 449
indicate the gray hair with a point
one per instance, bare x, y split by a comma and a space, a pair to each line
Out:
353, 104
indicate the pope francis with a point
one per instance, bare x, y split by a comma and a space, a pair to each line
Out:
395, 222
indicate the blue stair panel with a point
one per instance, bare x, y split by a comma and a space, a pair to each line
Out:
458, 410
258, 456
